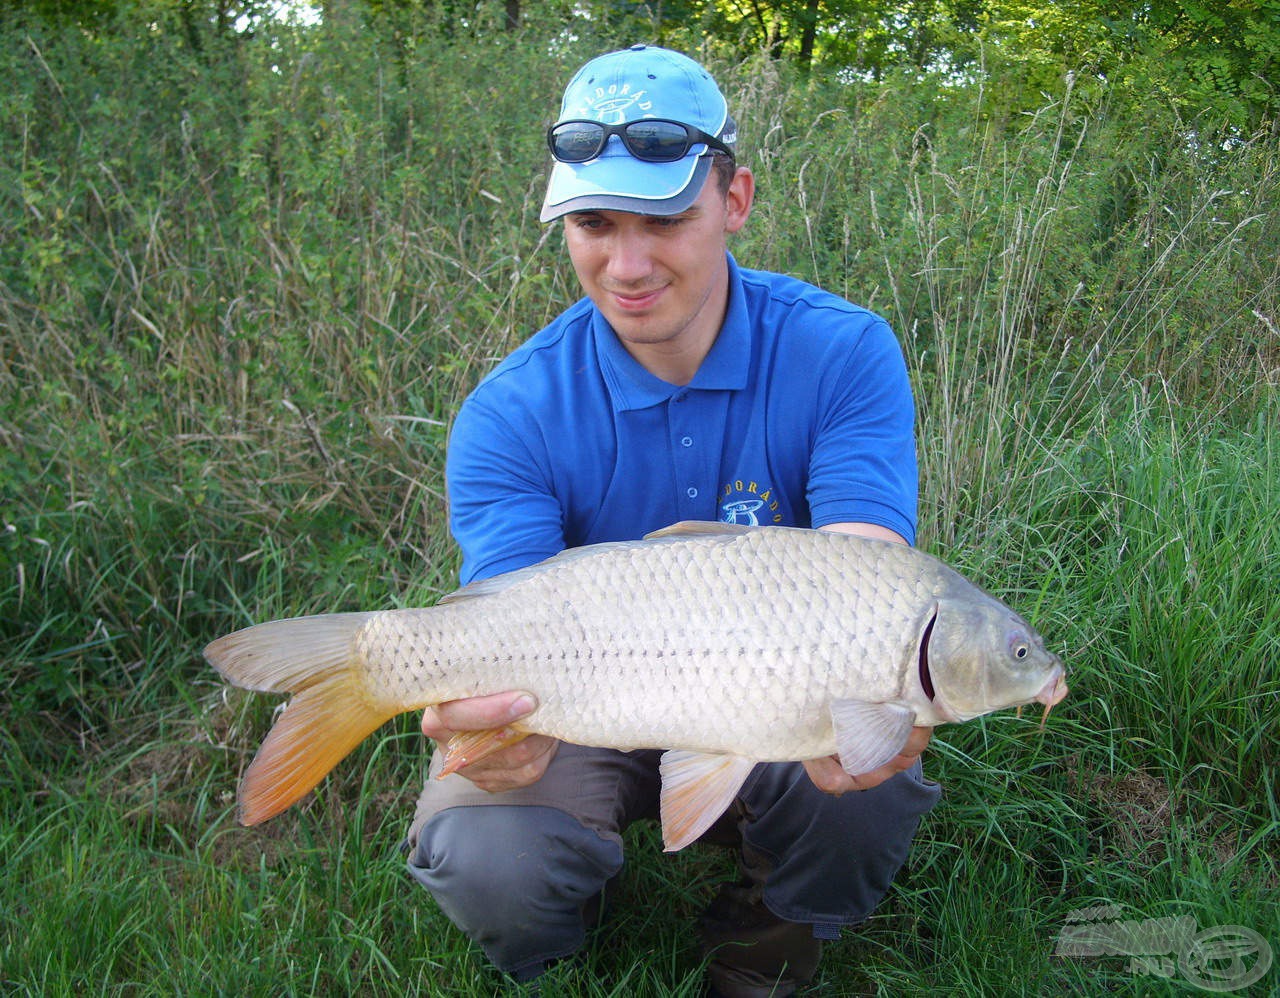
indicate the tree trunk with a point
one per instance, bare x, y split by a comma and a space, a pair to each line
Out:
809, 35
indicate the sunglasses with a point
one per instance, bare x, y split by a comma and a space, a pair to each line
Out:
654, 140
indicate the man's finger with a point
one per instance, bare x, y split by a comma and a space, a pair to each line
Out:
477, 713
513, 767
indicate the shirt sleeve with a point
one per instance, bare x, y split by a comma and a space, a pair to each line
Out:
863, 464
502, 511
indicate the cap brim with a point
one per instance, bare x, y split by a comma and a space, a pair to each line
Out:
620, 182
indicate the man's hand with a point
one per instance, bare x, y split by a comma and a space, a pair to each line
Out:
509, 768
827, 774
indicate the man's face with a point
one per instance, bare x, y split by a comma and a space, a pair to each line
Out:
661, 280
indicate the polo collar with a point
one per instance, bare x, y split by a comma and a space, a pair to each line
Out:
725, 368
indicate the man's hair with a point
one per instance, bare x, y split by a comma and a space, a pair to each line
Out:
725, 167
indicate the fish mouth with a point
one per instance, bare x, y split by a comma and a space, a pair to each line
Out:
1053, 691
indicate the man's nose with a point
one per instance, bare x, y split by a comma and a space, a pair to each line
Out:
630, 260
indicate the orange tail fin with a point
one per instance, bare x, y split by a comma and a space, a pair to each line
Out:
330, 713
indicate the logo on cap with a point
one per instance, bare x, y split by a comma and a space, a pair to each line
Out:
610, 104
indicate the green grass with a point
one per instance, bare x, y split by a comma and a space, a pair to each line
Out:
238, 307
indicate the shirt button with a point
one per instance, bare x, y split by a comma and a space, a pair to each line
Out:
686, 441
692, 493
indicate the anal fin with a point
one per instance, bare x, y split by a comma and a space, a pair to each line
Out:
466, 747
696, 789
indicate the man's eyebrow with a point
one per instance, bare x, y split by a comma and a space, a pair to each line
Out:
693, 211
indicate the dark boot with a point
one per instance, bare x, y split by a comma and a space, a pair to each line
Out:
754, 953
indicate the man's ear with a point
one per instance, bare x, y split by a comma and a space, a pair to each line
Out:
742, 192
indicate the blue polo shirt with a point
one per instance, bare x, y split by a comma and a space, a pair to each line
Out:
800, 415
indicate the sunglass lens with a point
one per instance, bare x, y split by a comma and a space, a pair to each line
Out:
657, 141
576, 141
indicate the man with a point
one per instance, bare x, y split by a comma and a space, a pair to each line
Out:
682, 387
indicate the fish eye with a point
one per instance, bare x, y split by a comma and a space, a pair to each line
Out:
1022, 651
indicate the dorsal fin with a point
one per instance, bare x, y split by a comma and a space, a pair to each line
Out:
497, 583
700, 528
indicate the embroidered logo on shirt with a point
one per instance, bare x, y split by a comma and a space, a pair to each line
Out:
744, 503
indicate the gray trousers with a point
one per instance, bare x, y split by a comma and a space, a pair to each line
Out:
516, 871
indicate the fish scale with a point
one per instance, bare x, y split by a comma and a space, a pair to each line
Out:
713, 641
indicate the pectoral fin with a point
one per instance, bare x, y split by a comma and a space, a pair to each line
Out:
696, 789
467, 747
869, 734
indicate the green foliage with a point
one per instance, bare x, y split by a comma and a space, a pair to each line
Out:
245, 285
1205, 60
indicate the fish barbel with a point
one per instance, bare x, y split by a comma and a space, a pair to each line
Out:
723, 645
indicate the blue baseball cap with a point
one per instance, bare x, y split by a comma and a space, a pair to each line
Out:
640, 82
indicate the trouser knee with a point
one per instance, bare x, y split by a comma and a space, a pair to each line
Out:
829, 860
515, 879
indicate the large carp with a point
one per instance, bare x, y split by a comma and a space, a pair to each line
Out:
724, 645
